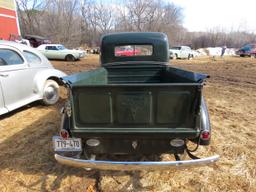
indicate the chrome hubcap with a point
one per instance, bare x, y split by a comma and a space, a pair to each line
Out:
50, 93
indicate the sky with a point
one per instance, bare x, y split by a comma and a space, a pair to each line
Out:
227, 15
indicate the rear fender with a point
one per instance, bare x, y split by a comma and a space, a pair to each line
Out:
205, 124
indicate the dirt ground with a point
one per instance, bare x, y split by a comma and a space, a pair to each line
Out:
26, 155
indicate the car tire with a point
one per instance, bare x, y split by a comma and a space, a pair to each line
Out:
70, 58
174, 56
51, 92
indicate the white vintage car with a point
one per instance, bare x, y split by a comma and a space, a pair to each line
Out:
181, 52
58, 51
26, 76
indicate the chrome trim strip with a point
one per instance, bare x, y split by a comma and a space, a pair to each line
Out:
205, 119
139, 165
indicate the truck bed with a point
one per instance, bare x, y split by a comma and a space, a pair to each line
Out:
129, 99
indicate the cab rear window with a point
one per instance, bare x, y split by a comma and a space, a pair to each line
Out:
133, 50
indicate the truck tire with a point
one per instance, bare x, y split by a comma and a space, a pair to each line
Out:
51, 92
70, 58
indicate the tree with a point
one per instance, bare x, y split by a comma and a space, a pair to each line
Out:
30, 12
62, 21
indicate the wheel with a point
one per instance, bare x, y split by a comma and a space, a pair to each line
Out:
70, 58
174, 56
51, 92
190, 57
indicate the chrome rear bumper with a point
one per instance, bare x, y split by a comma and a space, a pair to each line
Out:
137, 165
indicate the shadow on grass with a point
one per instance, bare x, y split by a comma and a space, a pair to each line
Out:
29, 151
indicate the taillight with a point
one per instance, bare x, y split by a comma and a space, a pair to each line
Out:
64, 134
205, 135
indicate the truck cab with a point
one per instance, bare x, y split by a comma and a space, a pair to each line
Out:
135, 104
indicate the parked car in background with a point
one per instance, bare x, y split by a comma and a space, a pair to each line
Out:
95, 50
181, 52
36, 40
19, 39
247, 50
58, 51
26, 76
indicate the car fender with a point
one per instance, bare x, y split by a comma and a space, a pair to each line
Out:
42, 76
175, 52
71, 52
178, 55
76, 55
203, 123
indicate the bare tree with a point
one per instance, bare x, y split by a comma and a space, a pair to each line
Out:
61, 20
99, 19
30, 14
154, 15
104, 16
58, 20
138, 12
171, 23
217, 37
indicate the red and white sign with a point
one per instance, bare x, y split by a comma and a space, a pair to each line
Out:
9, 24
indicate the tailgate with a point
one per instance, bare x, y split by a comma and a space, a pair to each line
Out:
133, 108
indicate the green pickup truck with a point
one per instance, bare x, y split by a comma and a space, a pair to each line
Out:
135, 104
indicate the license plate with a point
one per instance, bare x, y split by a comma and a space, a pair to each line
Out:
71, 144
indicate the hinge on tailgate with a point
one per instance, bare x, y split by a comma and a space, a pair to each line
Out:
66, 109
